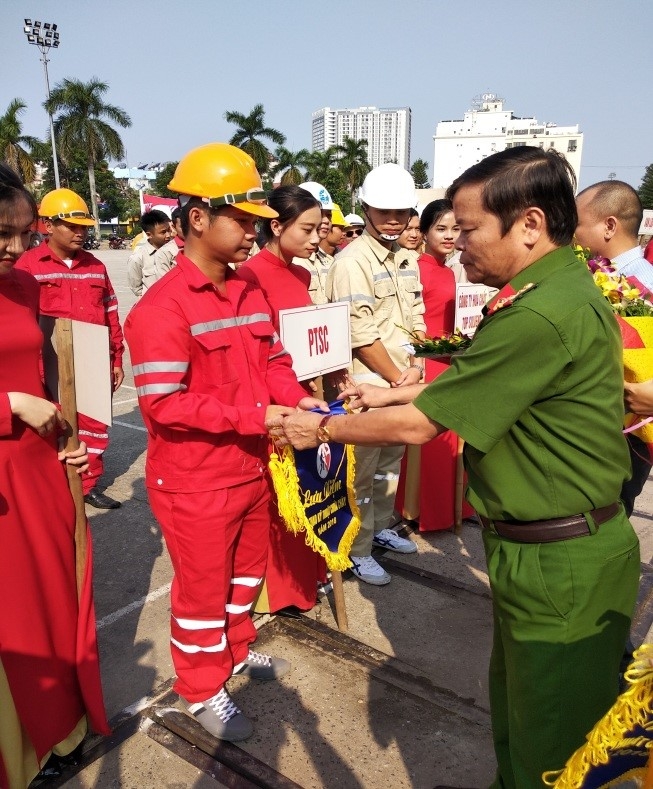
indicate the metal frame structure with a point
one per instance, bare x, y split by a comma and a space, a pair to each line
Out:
45, 36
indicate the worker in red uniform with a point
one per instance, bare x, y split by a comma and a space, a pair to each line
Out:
207, 364
75, 284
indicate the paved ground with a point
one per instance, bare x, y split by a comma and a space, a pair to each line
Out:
401, 701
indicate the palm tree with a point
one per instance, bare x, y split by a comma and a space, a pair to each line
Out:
319, 164
289, 163
249, 132
16, 149
83, 123
354, 164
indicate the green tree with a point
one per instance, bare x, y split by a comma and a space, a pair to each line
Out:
16, 148
320, 163
83, 121
419, 170
163, 178
354, 164
646, 188
337, 186
115, 197
250, 134
289, 163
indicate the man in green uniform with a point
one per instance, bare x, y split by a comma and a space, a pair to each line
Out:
538, 399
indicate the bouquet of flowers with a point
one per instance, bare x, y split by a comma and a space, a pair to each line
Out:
626, 296
634, 311
436, 347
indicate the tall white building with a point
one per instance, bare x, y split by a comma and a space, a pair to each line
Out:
488, 128
387, 132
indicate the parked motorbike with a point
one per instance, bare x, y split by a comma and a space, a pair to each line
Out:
116, 242
91, 243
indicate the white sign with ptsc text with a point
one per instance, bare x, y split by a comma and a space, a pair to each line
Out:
317, 337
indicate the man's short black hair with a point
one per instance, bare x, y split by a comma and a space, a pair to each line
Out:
517, 178
151, 219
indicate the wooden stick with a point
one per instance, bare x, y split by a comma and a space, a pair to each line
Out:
67, 398
412, 484
339, 599
648, 777
459, 487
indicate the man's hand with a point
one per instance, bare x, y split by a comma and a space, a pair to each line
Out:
77, 457
300, 429
339, 379
366, 396
36, 412
307, 403
118, 378
273, 412
639, 397
410, 376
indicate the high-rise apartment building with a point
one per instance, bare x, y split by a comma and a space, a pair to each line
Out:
488, 128
387, 132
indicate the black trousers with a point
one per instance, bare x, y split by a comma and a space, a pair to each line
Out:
639, 458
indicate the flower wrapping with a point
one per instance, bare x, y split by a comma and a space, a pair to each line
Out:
632, 305
315, 495
637, 337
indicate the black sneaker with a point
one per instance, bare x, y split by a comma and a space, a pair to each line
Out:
221, 717
259, 666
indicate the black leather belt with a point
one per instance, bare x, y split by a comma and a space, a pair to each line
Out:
551, 530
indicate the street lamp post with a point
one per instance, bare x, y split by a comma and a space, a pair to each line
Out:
44, 36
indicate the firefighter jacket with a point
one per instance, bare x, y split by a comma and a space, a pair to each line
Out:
206, 366
82, 292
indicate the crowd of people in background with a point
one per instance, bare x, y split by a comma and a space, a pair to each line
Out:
537, 402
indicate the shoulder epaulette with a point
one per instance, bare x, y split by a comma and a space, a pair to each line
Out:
506, 297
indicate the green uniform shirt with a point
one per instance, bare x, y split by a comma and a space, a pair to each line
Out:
538, 398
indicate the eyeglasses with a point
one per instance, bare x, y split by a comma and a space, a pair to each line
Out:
352, 233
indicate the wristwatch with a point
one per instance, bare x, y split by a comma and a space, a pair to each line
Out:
323, 435
420, 368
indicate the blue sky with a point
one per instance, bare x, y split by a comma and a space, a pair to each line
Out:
176, 67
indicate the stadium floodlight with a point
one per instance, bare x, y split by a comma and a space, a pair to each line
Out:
45, 36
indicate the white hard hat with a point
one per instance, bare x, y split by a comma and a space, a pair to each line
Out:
353, 219
388, 186
319, 193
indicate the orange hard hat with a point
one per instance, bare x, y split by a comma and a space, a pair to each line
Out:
222, 174
65, 204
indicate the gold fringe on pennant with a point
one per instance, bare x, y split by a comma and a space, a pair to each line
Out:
291, 510
632, 708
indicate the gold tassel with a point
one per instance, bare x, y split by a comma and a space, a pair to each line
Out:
632, 708
291, 510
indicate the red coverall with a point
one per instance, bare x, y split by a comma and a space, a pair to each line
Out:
206, 366
82, 293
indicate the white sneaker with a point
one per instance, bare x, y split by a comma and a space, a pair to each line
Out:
369, 570
391, 541
221, 717
260, 666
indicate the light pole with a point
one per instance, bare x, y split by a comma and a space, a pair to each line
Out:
44, 36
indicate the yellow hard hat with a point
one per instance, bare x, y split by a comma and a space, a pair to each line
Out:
65, 204
222, 174
337, 217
